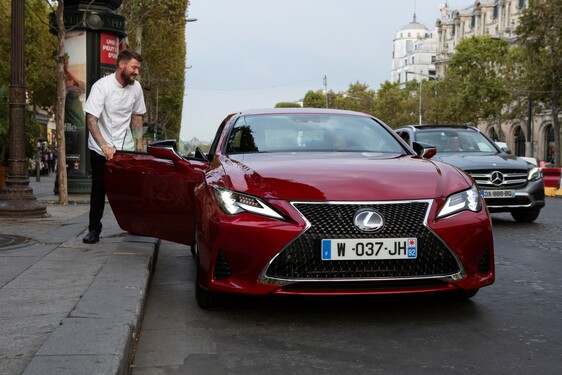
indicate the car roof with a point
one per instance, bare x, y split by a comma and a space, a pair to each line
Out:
269, 111
440, 127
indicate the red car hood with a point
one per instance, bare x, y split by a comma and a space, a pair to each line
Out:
340, 176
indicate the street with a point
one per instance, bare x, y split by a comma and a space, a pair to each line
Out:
511, 327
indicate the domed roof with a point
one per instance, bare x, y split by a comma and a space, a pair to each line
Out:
414, 25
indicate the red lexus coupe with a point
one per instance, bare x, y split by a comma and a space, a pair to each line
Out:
309, 202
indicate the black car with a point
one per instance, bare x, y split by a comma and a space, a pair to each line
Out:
507, 183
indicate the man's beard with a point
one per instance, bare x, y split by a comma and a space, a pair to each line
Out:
127, 78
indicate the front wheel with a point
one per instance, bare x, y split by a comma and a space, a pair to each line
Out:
525, 216
206, 299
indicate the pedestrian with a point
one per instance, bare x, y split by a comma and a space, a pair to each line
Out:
115, 104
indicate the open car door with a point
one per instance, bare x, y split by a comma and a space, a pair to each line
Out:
152, 194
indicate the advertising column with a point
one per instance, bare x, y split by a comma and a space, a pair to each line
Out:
91, 49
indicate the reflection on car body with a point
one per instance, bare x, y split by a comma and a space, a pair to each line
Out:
280, 205
508, 183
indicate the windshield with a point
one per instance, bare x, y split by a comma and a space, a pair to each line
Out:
456, 140
310, 132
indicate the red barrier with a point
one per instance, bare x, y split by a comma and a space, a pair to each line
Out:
551, 177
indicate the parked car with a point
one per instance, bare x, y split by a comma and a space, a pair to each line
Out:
309, 202
507, 183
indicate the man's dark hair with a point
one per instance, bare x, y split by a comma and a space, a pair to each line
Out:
127, 55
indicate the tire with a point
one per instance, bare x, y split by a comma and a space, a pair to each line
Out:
205, 298
525, 216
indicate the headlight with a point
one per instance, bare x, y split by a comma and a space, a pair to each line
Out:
464, 200
534, 174
233, 203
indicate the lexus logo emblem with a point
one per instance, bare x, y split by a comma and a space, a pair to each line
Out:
368, 220
496, 178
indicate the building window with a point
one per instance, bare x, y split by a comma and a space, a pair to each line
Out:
409, 46
495, 12
473, 21
522, 4
433, 59
413, 60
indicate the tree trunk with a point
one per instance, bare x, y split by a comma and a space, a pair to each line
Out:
59, 112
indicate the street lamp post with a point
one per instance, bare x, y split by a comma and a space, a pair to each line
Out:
326, 89
16, 198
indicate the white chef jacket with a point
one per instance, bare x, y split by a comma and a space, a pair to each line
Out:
113, 105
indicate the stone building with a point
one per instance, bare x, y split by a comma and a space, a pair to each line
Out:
530, 136
420, 53
414, 53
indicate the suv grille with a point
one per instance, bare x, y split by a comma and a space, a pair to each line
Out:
499, 179
302, 258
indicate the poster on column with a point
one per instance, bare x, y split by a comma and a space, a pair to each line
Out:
74, 117
109, 49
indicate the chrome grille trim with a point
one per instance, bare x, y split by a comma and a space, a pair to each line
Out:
304, 247
511, 178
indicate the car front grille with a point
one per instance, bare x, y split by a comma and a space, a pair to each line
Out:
502, 179
301, 260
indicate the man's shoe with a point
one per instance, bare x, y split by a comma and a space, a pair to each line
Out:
92, 237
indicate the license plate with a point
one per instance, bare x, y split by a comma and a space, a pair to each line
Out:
368, 249
498, 193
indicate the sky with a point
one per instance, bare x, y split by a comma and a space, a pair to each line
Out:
248, 54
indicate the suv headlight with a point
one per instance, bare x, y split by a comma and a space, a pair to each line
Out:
233, 203
465, 200
534, 174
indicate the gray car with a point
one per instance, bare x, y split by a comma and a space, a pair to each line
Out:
507, 183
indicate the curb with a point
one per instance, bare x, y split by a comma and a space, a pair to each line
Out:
552, 192
101, 331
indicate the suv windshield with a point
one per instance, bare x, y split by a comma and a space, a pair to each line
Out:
456, 140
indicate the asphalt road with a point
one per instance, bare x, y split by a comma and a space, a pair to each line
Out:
511, 327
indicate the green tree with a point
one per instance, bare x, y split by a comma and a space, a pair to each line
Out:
540, 35
474, 83
358, 97
396, 106
314, 99
163, 69
40, 51
287, 105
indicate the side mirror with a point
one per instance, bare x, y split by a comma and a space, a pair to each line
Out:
424, 150
506, 150
200, 154
164, 150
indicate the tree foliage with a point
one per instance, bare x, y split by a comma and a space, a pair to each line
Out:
157, 30
40, 51
358, 97
287, 105
474, 84
396, 106
314, 99
540, 35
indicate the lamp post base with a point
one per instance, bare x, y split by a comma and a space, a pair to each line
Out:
17, 200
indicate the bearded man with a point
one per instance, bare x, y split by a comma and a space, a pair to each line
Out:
114, 106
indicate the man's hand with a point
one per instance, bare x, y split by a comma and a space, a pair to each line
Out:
108, 151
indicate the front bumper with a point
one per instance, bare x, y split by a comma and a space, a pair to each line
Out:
263, 256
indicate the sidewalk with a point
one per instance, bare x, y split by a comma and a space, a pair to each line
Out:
67, 307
